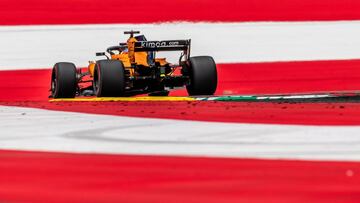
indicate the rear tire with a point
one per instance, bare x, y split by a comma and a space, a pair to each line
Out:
63, 80
109, 78
203, 76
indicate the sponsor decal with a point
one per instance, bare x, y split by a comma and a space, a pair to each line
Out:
154, 44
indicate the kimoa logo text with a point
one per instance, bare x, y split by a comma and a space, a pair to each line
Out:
159, 44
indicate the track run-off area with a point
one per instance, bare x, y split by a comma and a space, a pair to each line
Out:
141, 150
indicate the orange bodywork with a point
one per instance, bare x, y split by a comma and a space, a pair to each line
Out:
91, 68
130, 57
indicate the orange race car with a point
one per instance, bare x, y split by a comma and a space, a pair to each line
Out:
132, 68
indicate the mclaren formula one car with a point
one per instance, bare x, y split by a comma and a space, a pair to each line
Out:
132, 68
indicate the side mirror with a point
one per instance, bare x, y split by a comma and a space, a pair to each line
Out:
100, 54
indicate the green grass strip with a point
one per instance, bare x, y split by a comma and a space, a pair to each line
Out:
236, 98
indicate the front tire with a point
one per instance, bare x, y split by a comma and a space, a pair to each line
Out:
63, 80
109, 78
203, 76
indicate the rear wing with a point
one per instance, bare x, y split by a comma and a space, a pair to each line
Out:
168, 45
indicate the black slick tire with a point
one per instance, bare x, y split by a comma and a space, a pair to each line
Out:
63, 80
109, 78
203, 76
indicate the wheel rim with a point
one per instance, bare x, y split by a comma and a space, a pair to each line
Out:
96, 85
53, 86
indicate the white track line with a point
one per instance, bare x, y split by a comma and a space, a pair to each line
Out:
42, 46
35, 129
